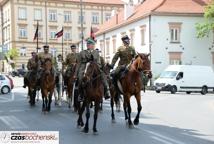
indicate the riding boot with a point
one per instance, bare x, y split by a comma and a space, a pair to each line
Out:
25, 82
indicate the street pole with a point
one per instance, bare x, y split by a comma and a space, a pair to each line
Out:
46, 25
37, 39
81, 20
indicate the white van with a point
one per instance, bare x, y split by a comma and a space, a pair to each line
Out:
187, 78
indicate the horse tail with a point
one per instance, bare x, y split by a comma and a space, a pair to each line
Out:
117, 98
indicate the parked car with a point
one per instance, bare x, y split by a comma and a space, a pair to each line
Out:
186, 78
18, 72
6, 84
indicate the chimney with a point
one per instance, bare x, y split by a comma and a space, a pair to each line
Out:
128, 9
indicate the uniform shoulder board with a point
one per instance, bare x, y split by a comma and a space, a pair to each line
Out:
121, 48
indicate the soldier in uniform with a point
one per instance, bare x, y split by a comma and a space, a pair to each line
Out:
71, 59
30, 63
126, 53
41, 59
84, 57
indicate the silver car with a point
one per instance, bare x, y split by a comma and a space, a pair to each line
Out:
6, 84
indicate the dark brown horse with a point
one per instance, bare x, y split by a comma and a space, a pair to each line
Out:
47, 85
131, 84
71, 91
32, 82
115, 95
92, 89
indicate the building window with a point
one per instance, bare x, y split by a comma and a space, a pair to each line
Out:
52, 34
83, 18
22, 32
142, 32
95, 18
67, 16
175, 29
37, 14
114, 44
132, 36
175, 58
107, 16
107, 46
22, 51
22, 13
52, 15
67, 34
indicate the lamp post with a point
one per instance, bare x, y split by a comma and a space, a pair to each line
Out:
81, 20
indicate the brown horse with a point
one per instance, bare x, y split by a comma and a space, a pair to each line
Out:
115, 95
32, 83
92, 89
47, 84
131, 84
71, 92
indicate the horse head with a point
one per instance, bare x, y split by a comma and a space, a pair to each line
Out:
146, 68
90, 73
48, 66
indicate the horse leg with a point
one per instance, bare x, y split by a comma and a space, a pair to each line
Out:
43, 102
129, 111
87, 114
80, 111
112, 109
49, 102
125, 107
96, 109
139, 107
55, 96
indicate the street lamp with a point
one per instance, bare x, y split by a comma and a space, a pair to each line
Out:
81, 20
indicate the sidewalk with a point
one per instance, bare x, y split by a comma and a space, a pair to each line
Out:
17, 81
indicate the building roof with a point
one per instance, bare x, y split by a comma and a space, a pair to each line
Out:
99, 1
150, 7
109, 2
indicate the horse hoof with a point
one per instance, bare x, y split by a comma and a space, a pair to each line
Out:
95, 132
136, 122
113, 121
131, 126
85, 130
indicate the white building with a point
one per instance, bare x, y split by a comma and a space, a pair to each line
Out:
164, 28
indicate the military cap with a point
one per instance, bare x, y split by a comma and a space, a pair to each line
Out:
90, 41
73, 46
33, 53
59, 55
125, 38
46, 46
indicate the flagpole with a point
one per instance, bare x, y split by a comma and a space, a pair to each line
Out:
37, 39
62, 41
81, 20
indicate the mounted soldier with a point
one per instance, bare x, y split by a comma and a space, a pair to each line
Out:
41, 60
71, 59
86, 56
126, 53
30, 66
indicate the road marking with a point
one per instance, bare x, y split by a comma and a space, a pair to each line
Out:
13, 123
163, 138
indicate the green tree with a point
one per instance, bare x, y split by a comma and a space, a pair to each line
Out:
12, 54
203, 29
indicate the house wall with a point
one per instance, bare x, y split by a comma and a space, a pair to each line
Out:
194, 51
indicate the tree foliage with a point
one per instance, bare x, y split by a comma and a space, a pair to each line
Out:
203, 29
11, 55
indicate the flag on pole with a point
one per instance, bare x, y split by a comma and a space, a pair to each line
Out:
92, 35
36, 35
59, 34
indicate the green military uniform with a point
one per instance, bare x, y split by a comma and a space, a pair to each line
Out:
86, 56
31, 62
126, 54
42, 56
70, 60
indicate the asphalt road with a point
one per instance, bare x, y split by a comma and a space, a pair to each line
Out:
165, 119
